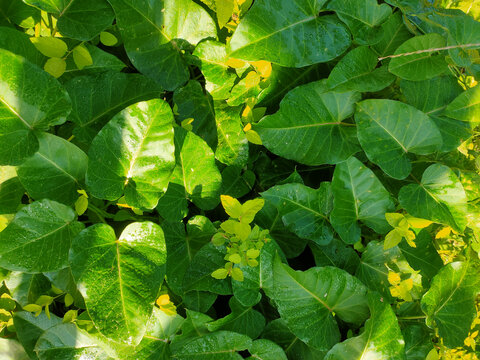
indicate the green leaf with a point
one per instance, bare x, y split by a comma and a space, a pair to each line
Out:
119, 279
66, 341
306, 301
439, 197
309, 126
182, 245
247, 292
263, 349
232, 146
56, 171
29, 328
82, 57
154, 36
304, 211
243, 320
336, 254
418, 342
389, 130
19, 43
30, 100
38, 238
235, 183
224, 11
302, 38
17, 12
357, 71
220, 345
199, 272
395, 33
193, 103
424, 257
466, 106
422, 66
358, 196
363, 18
450, 301
110, 93
219, 78
195, 178
278, 332
137, 146
55, 67
11, 190
108, 39
381, 339
373, 271
26, 288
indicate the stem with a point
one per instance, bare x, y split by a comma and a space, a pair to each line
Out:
411, 317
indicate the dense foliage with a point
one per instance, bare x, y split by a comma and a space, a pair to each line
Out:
228, 179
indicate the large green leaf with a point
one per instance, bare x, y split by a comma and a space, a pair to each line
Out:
389, 130
263, 349
155, 32
67, 341
29, 328
219, 78
306, 301
30, 100
380, 340
236, 182
232, 146
220, 345
466, 107
38, 238
439, 197
26, 288
309, 126
119, 279
56, 171
110, 92
420, 66
195, 178
15, 12
336, 254
450, 301
20, 44
11, 190
357, 71
133, 153
363, 18
242, 319
358, 196
394, 34
182, 245
418, 342
296, 37
304, 211
193, 103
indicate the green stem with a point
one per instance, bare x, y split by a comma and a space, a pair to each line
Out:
400, 318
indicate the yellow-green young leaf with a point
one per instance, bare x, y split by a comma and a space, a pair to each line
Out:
32, 308
432, 355
55, 66
70, 316
235, 258
187, 124
50, 46
395, 219
11, 325
253, 137
108, 39
253, 253
229, 226
81, 205
68, 300
417, 223
392, 239
220, 274
232, 206
242, 230
224, 11
237, 274
44, 300
218, 239
5, 315
82, 57
250, 209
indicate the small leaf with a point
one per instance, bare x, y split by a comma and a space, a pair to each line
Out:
220, 274
253, 137
50, 46
32, 308
108, 39
237, 274
68, 300
232, 206
81, 205
55, 67
82, 57
224, 11
235, 258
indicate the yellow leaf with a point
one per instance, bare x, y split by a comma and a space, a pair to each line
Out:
224, 11
55, 67
242, 230
235, 63
170, 309
394, 219
392, 239
50, 46
250, 209
393, 278
232, 206
444, 233
264, 68
229, 226
417, 223
163, 300
247, 127
82, 57
432, 355
252, 79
